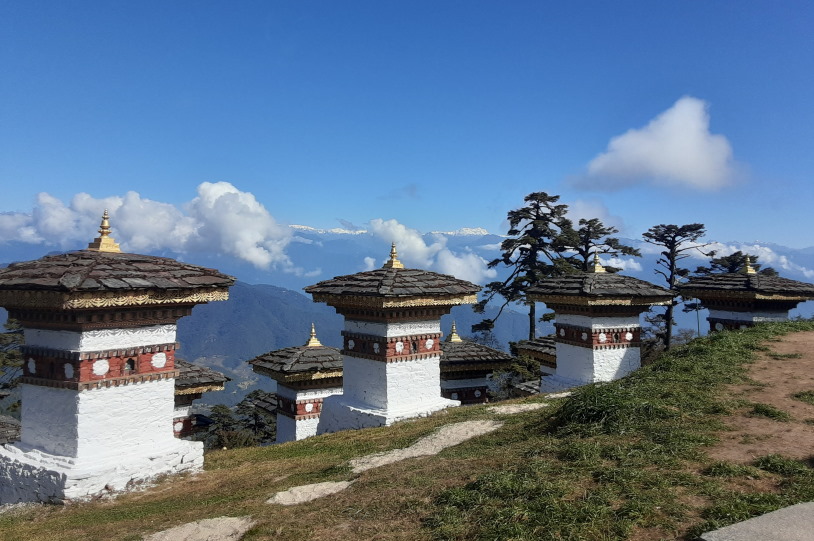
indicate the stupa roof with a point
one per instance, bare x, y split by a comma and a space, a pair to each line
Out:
193, 378
598, 288
97, 275
394, 286
456, 352
543, 345
297, 363
747, 285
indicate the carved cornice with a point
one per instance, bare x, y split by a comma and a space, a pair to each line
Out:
99, 384
573, 300
56, 300
199, 389
370, 301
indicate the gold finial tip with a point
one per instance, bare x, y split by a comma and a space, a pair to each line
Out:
313, 341
453, 334
597, 265
104, 242
393, 262
747, 268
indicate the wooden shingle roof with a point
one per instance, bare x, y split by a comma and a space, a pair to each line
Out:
598, 288
748, 285
193, 378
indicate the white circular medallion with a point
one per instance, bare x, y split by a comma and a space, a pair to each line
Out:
100, 367
159, 360
68, 371
629, 336
351, 344
375, 347
309, 407
477, 394
455, 396
32, 366
562, 332
584, 336
603, 338
399, 347
178, 426
719, 326
429, 343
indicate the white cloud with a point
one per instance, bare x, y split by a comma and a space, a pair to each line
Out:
766, 257
593, 208
413, 251
675, 148
220, 219
628, 264
370, 264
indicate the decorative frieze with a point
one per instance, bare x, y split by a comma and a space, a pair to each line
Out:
598, 337
54, 300
392, 348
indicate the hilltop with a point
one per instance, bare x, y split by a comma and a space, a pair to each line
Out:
710, 434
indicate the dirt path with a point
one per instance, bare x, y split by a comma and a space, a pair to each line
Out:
787, 369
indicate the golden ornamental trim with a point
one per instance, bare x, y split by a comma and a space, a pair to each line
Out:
599, 301
107, 299
198, 389
702, 294
369, 301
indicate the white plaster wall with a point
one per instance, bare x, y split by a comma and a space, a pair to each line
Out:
98, 424
592, 365
306, 394
598, 322
286, 429
101, 339
365, 381
752, 317
391, 330
413, 382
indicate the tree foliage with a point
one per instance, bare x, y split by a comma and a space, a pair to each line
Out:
594, 237
732, 263
245, 426
535, 248
677, 242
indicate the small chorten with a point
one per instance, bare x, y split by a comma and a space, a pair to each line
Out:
305, 376
98, 383
104, 242
597, 324
737, 300
467, 367
391, 348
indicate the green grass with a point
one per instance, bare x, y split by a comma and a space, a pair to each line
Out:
767, 410
613, 454
804, 396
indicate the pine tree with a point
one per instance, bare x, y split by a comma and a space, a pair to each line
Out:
593, 237
536, 248
734, 263
677, 242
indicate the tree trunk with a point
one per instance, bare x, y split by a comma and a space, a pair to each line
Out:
532, 321
668, 326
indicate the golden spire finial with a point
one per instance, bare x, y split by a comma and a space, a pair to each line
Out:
393, 262
104, 242
597, 265
453, 334
747, 268
313, 341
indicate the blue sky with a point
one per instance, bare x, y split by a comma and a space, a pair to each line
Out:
436, 114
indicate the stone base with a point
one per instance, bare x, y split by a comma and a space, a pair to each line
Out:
28, 474
342, 413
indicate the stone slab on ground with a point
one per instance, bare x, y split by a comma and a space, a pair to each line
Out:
306, 493
210, 529
510, 409
446, 436
795, 523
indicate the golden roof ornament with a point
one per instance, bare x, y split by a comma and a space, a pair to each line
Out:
597, 265
747, 268
393, 262
453, 334
313, 341
104, 242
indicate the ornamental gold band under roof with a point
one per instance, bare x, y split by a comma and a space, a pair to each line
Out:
599, 288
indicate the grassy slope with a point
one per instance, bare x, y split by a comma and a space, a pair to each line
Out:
616, 461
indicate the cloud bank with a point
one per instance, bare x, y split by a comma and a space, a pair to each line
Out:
219, 219
676, 148
415, 252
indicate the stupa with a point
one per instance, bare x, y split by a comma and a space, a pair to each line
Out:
305, 376
597, 330
466, 368
98, 382
737, 300
391, 343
